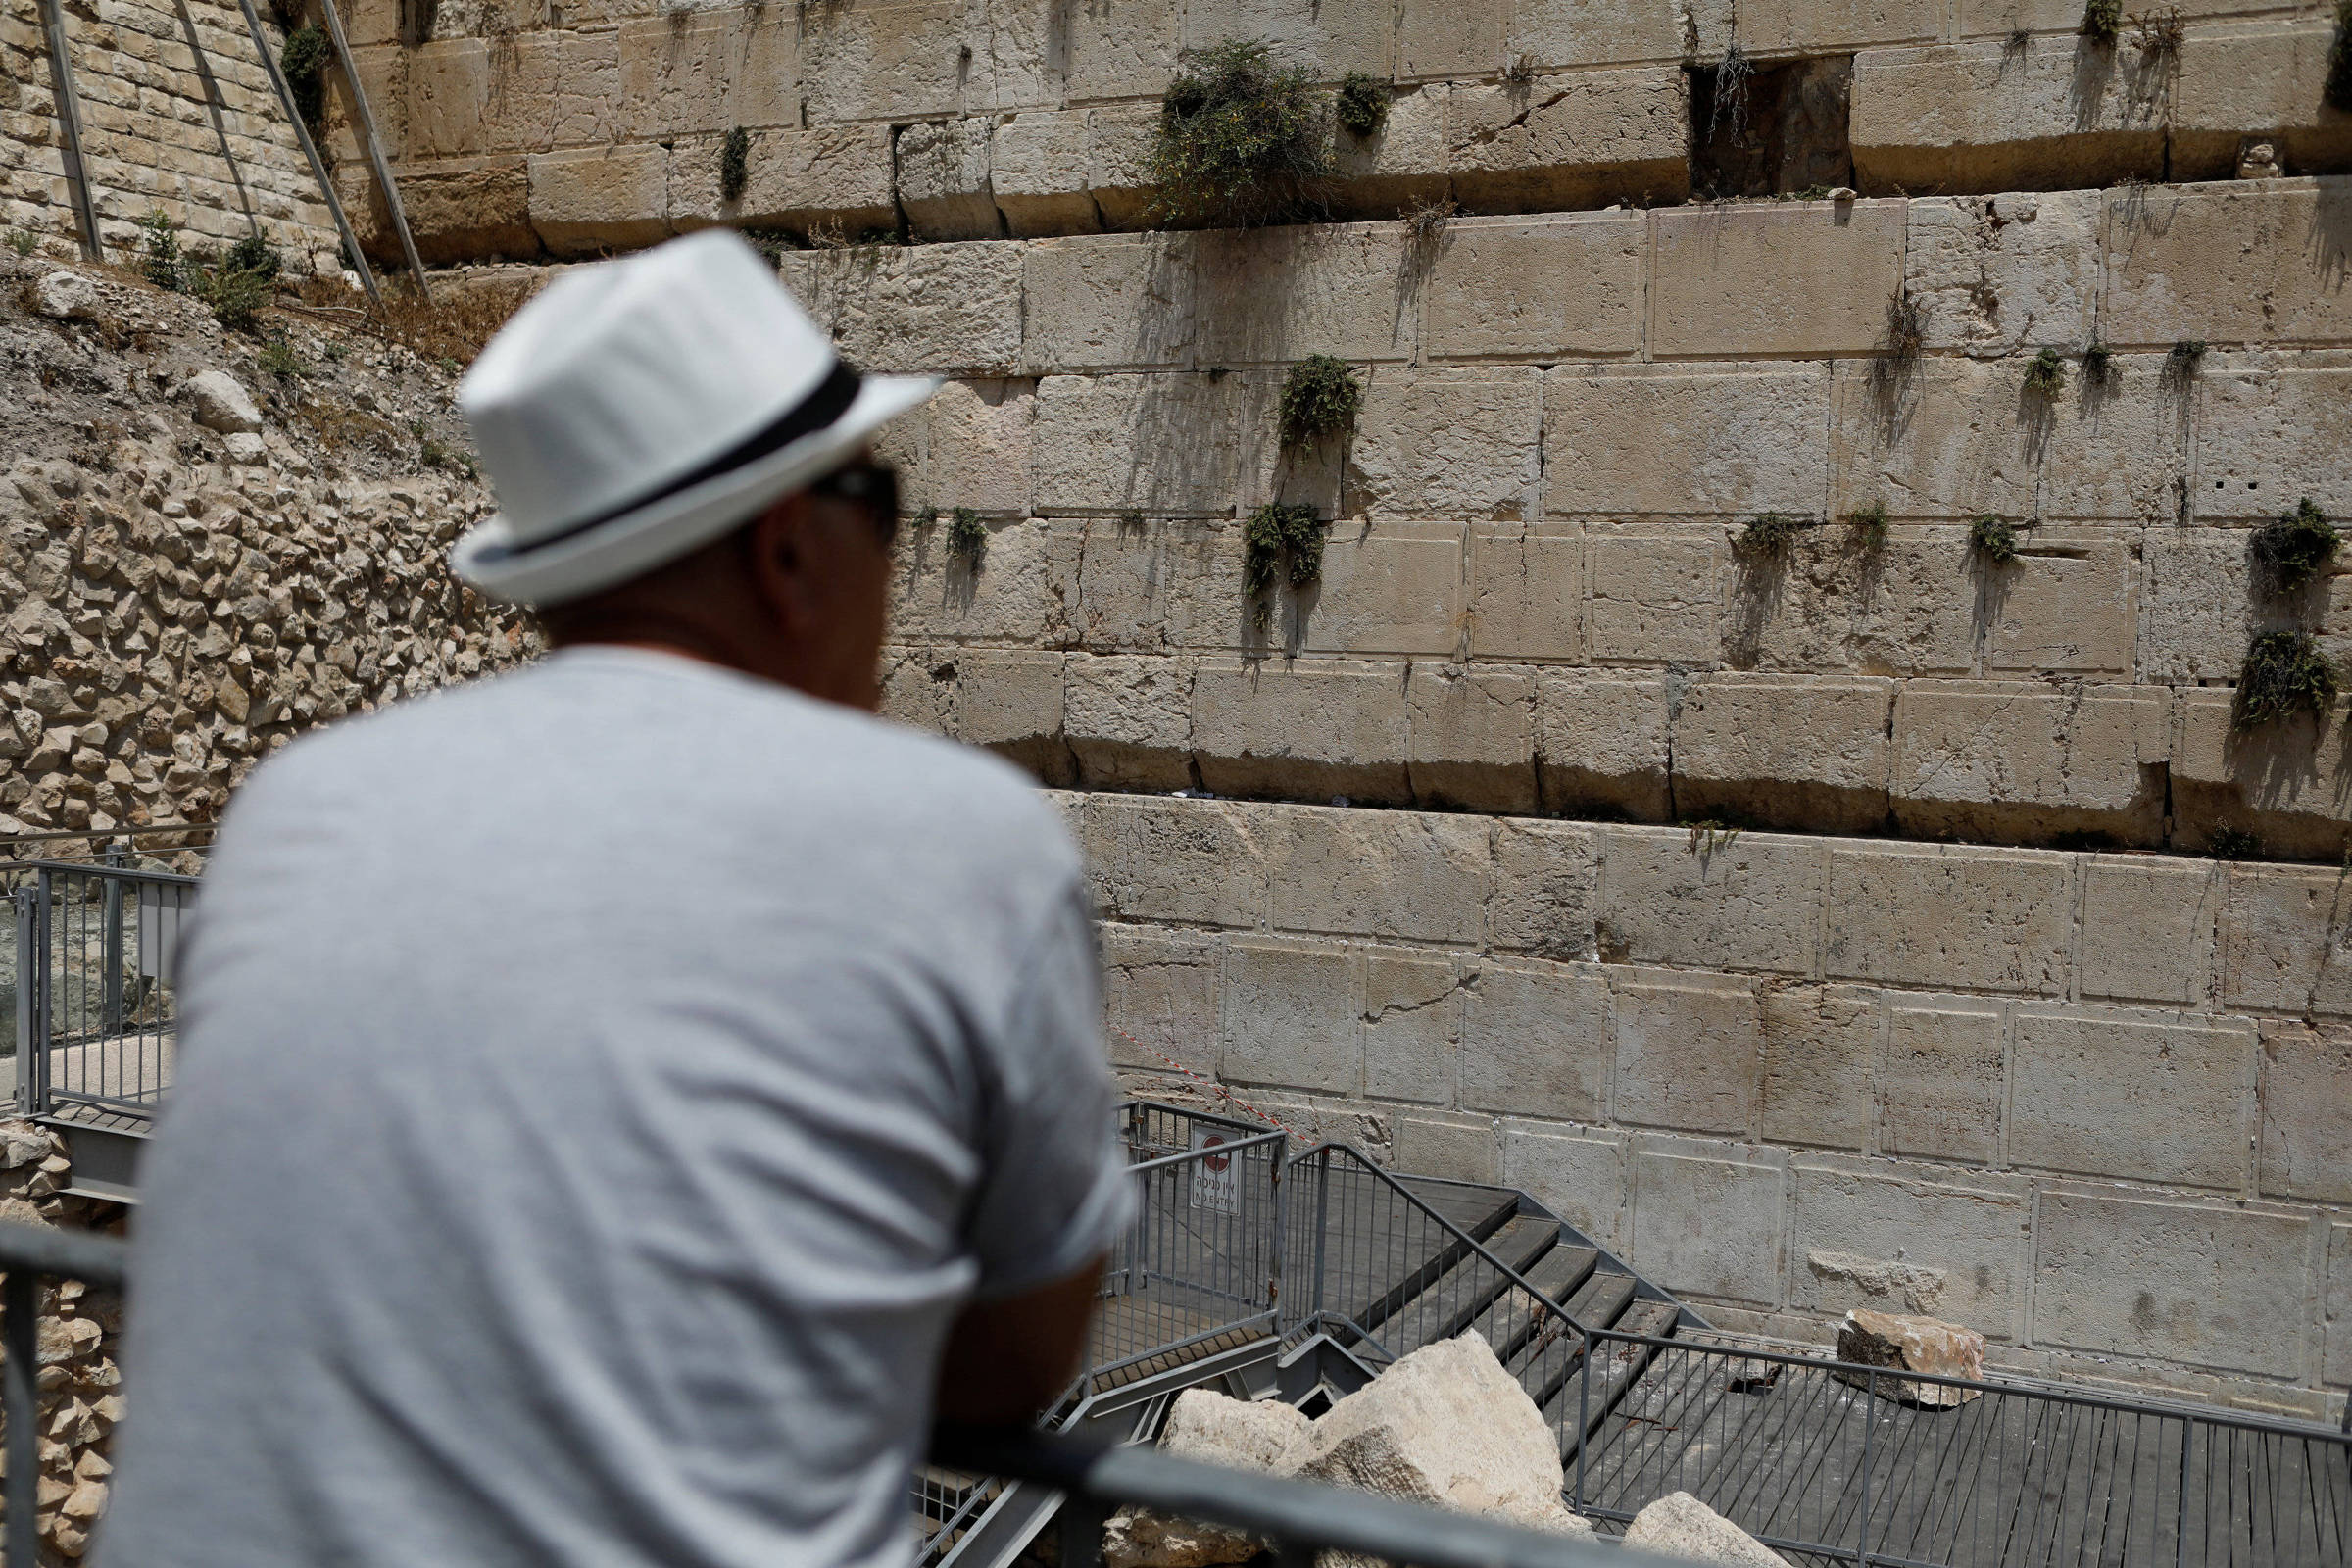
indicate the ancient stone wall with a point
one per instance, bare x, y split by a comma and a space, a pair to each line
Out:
178, 116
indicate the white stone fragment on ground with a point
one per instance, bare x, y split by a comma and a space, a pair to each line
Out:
1682, 1526
245, 449
64, 296
221, 403
1446, 1426
1209, 1428
1912, 1345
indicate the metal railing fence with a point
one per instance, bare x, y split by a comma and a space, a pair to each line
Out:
95, 1014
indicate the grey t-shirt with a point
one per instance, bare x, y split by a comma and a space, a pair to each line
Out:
600, 1088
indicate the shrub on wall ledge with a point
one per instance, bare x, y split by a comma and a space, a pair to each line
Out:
1320, 397
2296, 548
734, 165
303, 60
2284, 673
1241, 139
1280, 543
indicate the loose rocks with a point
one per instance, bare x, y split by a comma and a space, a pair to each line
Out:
222, 404
1682, 1526
1912, 1345
65, 297
1214, 1429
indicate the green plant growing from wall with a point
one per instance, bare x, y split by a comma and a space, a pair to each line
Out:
1363, 103
2102, 20
2294, 549
2228, 842
1995, 538
1319, 398
2159, 35
1241, 140
1770, 535
2098, 364
2045, 374
1280, 543
254, 254
2181, 364
21, 242
734, 165
967, 539
1520, 74
1869, 524
2339, 89
2284, 673
303, 62
161, 260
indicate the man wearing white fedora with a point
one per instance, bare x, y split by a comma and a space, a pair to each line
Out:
621, 1102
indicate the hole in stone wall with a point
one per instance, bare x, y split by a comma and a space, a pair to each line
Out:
1779, 129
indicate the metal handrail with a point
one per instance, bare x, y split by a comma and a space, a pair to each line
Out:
1298, 1517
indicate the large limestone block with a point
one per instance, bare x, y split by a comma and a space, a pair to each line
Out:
2150, 928
1780, 277
606, 198
2267, 79
873, 62
1912, 1344
1600, 741
1161, 585
1572, 141
943, 179
1537, 1039
1943, 916
1471, 739
1204, 1426
1784, 751
1446, 442
1398, 167
1590, 33
1120, 49
832, 182
2279, 953
1161, 998
1037, 173
447, 94
1291, 1013
2336, 1365
1412, 1027
1667, 440
2029, 760
1986, 115
976, 446
1582, 1177
1679, 1525
1445, 39
674, 74
1547, 877
2145, 1097
918, 308
1526, 599
1167, 445
1909, 607
1010, 701
1655, 596
1446, 1426
1821, 1053
1270, 296
1945, 1077
1907, 1237
1178, 862
1998, 274
457, 210
1129, 721
2207, 1283
1118, 159
2271, 432
765, 85
1416, 876
1708, 1218
1082, 295
1315, 728
2307, 1111
2069, 607
2227, 263
2290, 783
1332, 37
1558, 288
1387, 588
1750, 901
1017, 591
1687, 1053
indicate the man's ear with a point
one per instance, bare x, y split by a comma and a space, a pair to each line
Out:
778, 556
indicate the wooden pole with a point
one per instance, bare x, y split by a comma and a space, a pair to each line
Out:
310, 148
69, 129
375, 149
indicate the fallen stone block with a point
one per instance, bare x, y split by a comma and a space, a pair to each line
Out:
1682, 1526
1211, 1428
1912, 1345
222, 404
64, 296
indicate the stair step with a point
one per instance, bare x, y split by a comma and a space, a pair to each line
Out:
1550, 1354
1507, 1324
1456, 1298
1613, 1372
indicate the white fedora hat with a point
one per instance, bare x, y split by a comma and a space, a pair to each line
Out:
640, 409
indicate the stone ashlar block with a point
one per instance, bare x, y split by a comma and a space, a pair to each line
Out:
906, 61
1982, 113
1330, 38
1538, 1040
2231, 262
1450, 40
1546, 879
1910, 606
1600, 741
1946, 1071
2027, 760
615, 198
1121, 49
1666, 441
1909, 1239
1010, 701
2221, 1286
1038, 170
1558, 33
941, 170
1821, 1065
2149, 1097
1290, 1014
1161, 998
976, 446
1082, 296
1272, 296
1455, 1149
1998, 275
1750, 901
1827, 26
674, 73
1470, 734
2284, 949
2270, 435
1400, 167
1781, 277
1527, 595
2306, 1111
1656, 595
1550, 289
1157, 585
1387, 588
1574, 141
1180, 862
1783, 751
1582, 1177
2337, 1362
1311, 729
2256, 79
1446, 442
1118, 162
2150, 928
2069, 607
1950, 917
448, 95
1165, 445
1015, 593
920, 307
1410, 877
1129, 721
1412, 1026
458, 208
833, 181
2286, 782
1708, 1219
1687, 1053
